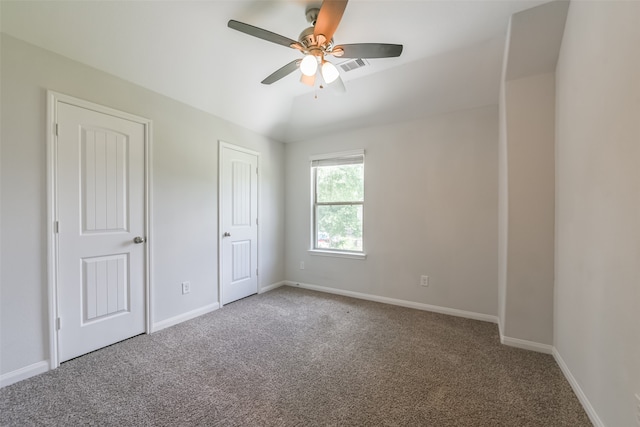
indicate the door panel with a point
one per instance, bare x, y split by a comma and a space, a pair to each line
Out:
105, 286
239, 213
104, 179
241, 193
241, 260
101, 208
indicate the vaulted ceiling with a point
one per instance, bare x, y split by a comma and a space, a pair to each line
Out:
452, 56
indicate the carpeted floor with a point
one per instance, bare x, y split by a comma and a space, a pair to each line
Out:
292, 357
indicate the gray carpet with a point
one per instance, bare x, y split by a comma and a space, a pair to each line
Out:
292, 357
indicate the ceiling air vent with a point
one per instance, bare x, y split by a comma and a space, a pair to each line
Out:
353, 64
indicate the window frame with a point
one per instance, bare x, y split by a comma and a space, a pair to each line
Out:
314, 250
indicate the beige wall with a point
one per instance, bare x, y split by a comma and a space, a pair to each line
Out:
431, 208
597, 295
527, 188
185, 207
503, 189
530, 127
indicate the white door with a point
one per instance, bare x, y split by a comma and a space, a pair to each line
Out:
100, 203
238, 223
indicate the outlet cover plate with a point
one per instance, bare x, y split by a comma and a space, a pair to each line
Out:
424, 281
186, 287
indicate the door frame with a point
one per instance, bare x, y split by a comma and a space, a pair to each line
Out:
221, 145
53, 98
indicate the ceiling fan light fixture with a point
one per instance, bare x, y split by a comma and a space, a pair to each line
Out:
308, 80
329, 72
309, 65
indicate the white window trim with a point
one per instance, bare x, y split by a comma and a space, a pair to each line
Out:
330, 252
350, 153
338, 254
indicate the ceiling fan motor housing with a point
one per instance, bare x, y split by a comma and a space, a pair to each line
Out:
312, 43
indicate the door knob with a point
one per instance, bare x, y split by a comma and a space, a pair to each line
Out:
139, 240
227, 234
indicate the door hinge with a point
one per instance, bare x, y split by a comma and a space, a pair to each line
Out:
256, 171
56, 227
55, 130
256, 221
57, 323
256, 271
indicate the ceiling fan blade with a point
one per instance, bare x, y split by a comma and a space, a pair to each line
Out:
282, 72
263, 34
329, 17
368, 50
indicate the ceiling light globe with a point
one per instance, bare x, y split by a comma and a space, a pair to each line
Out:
329, 72
309, 65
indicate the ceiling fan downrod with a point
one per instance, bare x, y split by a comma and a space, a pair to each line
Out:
312, 15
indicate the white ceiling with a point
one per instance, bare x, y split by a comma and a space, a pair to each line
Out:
452, 56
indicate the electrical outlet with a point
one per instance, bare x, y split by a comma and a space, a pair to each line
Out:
301, 265
424, 281
186, 287
638, 409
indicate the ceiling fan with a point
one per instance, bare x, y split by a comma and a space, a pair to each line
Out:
316, 42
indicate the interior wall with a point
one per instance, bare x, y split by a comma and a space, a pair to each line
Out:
431, 197
597, 294
503, 189
530, 138
184, 195
527, 173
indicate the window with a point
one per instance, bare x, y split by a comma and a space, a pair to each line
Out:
338, 202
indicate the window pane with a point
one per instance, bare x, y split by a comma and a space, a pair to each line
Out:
339, 227
343, 183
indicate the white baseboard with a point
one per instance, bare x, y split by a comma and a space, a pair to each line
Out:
523, 344
399, 302
526, 345
270, 287
588, 408
184, 317
24, 373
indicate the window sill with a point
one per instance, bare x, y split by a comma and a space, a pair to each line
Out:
338, 254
